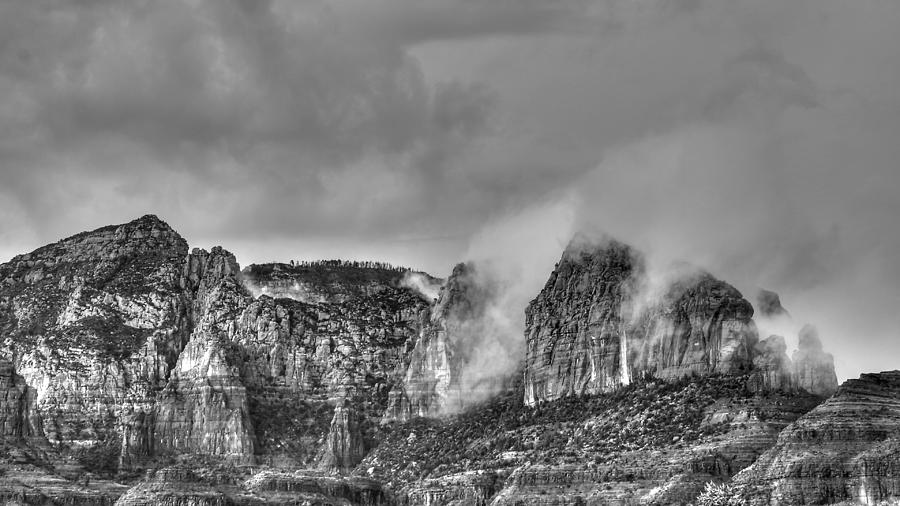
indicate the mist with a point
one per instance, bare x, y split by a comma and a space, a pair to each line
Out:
427, 288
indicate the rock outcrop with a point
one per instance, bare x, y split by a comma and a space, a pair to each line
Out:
768, 304
344, 444
434, 384
599, 322
95, 322
846, 449
813, 368
18, 417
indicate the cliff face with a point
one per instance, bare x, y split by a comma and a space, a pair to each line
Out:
594, 326
94, 322
601, 322
846, 449
123, 351
433, 384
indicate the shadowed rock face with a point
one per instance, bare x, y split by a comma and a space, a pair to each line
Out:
433, 384
344, 445
18, 416
595, 325
772, 368
846, 449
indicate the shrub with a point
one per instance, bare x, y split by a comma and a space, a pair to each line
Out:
721, 494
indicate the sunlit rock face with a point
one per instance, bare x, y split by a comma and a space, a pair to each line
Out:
122, 340
846, 449
344, 445
599, 322
93, 323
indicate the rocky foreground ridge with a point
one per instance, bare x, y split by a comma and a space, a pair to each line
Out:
136, 371
846, 449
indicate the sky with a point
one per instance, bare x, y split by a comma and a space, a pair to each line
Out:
758, 139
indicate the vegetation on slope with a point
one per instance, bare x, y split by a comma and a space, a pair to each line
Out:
504, 432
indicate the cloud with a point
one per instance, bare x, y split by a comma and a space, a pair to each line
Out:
428, 288
754, 138
220, 107
511, 258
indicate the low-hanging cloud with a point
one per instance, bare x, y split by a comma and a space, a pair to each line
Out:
427, 287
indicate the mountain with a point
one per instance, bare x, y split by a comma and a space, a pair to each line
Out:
601, 322
134, 370
123, 351
633, 390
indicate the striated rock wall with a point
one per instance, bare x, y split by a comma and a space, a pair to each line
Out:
94, 322
18, 416
601, 322
772, 368
119, 340
846, 449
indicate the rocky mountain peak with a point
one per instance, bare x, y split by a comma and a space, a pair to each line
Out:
813, 367
463, 296
147, 235
602, 320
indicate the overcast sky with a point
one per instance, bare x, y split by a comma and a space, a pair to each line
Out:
759, 139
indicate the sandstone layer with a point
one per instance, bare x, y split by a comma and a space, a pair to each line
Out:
846, 449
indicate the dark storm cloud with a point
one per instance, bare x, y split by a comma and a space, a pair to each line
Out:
276, 106
755, 138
